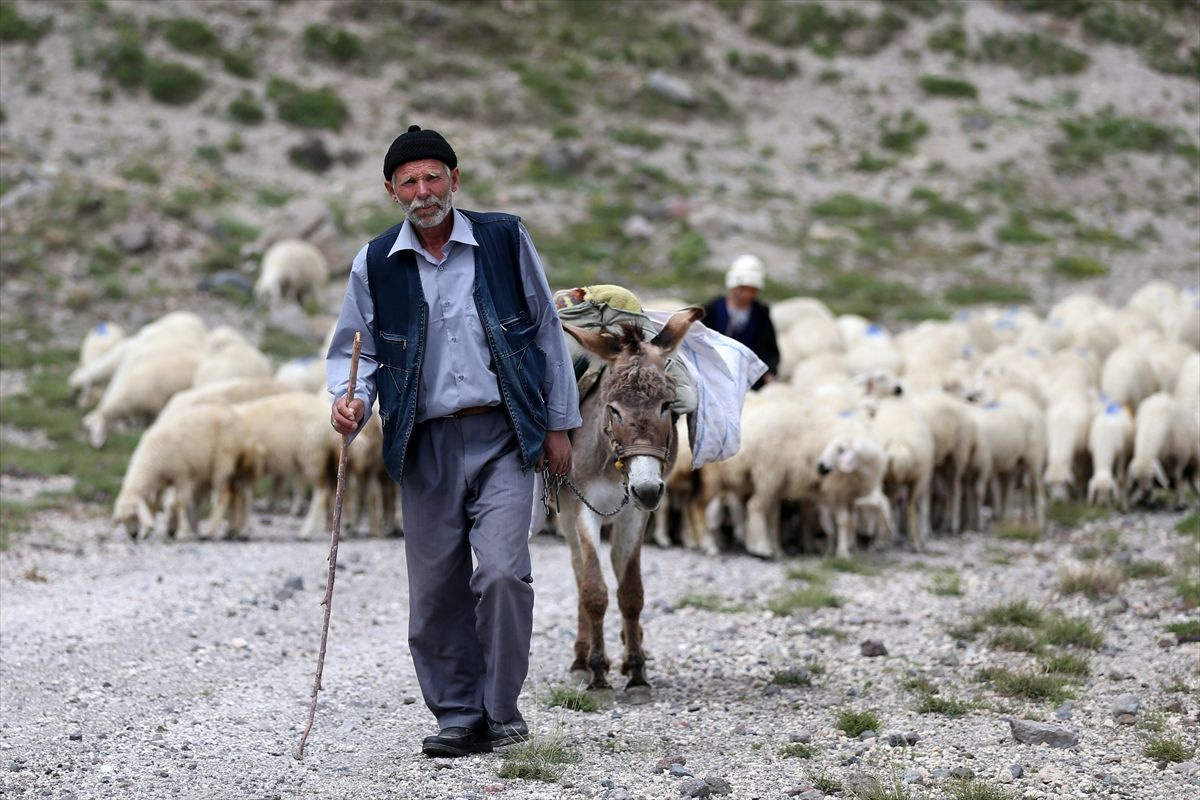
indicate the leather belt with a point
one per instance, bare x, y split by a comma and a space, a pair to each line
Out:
470, 411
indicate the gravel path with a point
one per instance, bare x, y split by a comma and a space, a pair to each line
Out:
156, 670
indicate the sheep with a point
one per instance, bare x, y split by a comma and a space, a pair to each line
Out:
1166, 445
852, 466
197, 449
1166, 357
1012, 432
819, 370
787, 313
1184, 326
1110, 444
1154, 297
99, 340
370, 490
1010, 368
229, 362
1096, 335
811, 330
140, 389
1187, 384
176, 330
683, 486
1127, 377
1068, 422
291, 269
874, 351
224, 393
306, 374
952, 426
908, 447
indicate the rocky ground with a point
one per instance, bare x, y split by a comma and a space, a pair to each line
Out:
159, 669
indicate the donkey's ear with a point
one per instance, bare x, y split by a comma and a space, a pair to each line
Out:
607, 347
672, 333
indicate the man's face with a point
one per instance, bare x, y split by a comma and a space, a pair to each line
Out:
742, 296
423, 189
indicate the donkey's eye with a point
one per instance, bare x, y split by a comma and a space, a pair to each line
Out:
616, 414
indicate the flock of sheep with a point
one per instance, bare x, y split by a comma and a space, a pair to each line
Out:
945, 426
952, 425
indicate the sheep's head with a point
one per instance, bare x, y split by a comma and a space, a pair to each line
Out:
134, 514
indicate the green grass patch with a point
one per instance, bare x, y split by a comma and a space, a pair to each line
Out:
1105, 237
307, 108
1078, 268
122, 61
902, 134
950, 39
1186, 631
1088, 140
1032, 53
1026, 685
949, 210
798, 750
975, 789
1094, 581
1017, 532
1063, 631
16, 519
1188, 591
173, 83
548, 87
824, 28
572, 699
191, 36
637, 136
1074, 665
979, 292
335, 45
1070, 513
1018, 640
285, 346
789, 601
1167, 749
536, 760
946, 584
942, 86
1141, 569
855, 566
866, 294
245, 109
853, 723
1019, 230
1020, 613
945, 706
799, 676
761, 65
1189, 525
17, 28
708, 601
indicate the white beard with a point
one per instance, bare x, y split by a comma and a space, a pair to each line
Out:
443, 204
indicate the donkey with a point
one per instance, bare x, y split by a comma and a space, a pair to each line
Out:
621, 456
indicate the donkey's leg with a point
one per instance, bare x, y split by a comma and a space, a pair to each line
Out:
583, 537
626, 552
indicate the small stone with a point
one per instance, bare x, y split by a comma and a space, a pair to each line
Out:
408, 700
667, 761
135, 238
940, 773
912, 738
872, 648
1064, 711
75, 736
1125, 705
1167, 640
800, 738
772, 689
1004, 775
962, 773
1051, 775
914, 776
1016, 770
861, 784
680, 771
694, 787
718, 785
1186, 768
238, 643
619, 793
897, 740
1031, 732
851, 761
948, 659
868, 734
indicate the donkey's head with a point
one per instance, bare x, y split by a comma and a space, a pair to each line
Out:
636, 395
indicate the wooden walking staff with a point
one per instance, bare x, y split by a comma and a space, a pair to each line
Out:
333, 546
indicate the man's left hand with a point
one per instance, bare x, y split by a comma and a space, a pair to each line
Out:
556, 453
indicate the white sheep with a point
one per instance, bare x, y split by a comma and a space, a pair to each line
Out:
683, 488
1110, 444
874, 351
224, 393
908, 447
1187, 384
1013, 432
952, 426
304, 374
176, 330
230, 362
140, 389
1068, 460
1184, 325
1154, 297
1166, 357
99, 340
852, 466
1128, 377
291, 269
1166, 445
202, 448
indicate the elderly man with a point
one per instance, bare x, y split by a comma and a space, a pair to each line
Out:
739, 315
461, 343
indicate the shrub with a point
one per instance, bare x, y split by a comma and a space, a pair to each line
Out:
1071, 632
123, 61
1186, 631
948, 87
1072, 664
1094, 581
173, 83
853, 723
1020, 231
307, 108
797, 750
536, 761
950, 39
1089, 139
16, 28
1164, 749
1029, 686
191, 36
636, 136
974, 789
789, 601
1020, 613
792, 677
761, 65
946, 584
245, 109
573, 699
946, 706
332, 44
1018, 532
986, 292
1139, 569
904, 135
1032, 53
1189, 525
239, 63
1017, 640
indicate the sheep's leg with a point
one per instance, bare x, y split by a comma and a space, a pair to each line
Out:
702, 535
844, 522
626, 554
181, 508
759, 534
956, 499
661, 519
914, 517
318, 513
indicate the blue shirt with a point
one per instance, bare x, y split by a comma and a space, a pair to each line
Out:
457, 370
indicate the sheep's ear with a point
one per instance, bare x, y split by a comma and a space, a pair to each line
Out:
672, 333
607, 347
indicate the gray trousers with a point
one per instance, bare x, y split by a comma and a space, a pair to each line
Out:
468, 629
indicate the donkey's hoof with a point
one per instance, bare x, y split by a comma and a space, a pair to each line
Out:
638, 695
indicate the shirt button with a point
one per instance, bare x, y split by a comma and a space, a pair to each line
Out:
446, 304
460, 377
454, 340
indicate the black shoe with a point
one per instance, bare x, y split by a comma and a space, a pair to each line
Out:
453, 742
501, 734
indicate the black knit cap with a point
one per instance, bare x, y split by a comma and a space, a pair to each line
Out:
416, 145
